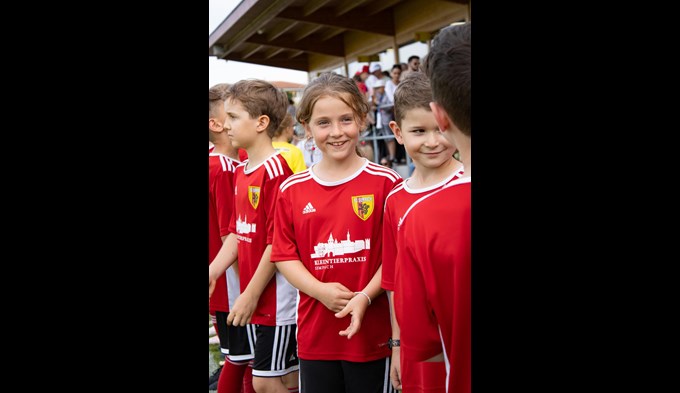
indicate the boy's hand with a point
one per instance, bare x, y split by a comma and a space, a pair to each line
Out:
242, 311
334, 295
395, 368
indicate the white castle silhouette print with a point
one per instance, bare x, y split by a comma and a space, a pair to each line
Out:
243, 226
342, 247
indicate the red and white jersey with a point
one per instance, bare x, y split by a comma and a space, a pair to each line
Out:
398, 201
335, 230
221, 196
432, 281
255, 193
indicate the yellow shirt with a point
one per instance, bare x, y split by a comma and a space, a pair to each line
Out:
292, 154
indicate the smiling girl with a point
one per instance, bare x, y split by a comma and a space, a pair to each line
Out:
328, 243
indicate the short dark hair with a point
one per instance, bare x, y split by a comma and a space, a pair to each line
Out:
449, 68
413, 57
412, 92
216, 96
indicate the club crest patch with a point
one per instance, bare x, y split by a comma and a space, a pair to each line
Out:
363, 205
254, 196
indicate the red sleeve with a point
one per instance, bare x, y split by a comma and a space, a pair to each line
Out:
271, 193
389, 248
224, 200
232, 220
284, 247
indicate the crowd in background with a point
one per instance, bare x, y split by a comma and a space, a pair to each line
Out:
329, 272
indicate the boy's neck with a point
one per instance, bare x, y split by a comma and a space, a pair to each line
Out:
427, 177
465, 153
260, 151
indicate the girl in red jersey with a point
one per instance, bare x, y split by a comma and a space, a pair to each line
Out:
328, 243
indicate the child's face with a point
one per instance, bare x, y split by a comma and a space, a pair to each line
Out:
422, 140
241, 128
395, 73
334, 129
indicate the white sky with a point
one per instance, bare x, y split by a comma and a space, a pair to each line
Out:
222, 71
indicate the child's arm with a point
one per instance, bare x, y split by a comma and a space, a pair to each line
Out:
225, 258
395, 366
333, 295
359, 303
246, 303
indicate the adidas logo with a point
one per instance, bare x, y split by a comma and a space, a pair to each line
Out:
309, 208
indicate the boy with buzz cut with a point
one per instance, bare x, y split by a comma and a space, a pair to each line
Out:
255, 109
235, 341
416, 128
432, 280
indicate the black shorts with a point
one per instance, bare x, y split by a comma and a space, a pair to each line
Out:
236, 342
275, 351
341, 376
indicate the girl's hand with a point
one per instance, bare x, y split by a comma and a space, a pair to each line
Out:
356, 308
334, 296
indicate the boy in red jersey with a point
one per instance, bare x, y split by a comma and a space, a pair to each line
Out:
234, 340
255, 109
432, 281
327, 243
415, 128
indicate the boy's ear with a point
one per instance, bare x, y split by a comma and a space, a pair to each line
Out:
214, 125
440, 116
262, 123
396, 130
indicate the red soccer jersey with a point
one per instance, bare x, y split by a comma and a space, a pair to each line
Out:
415, 376
398, 201
221, 197
255, 194
432, 281
335, 230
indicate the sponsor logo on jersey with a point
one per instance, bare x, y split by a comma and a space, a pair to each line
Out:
363, 205
244, 227
254, 196
336, 247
